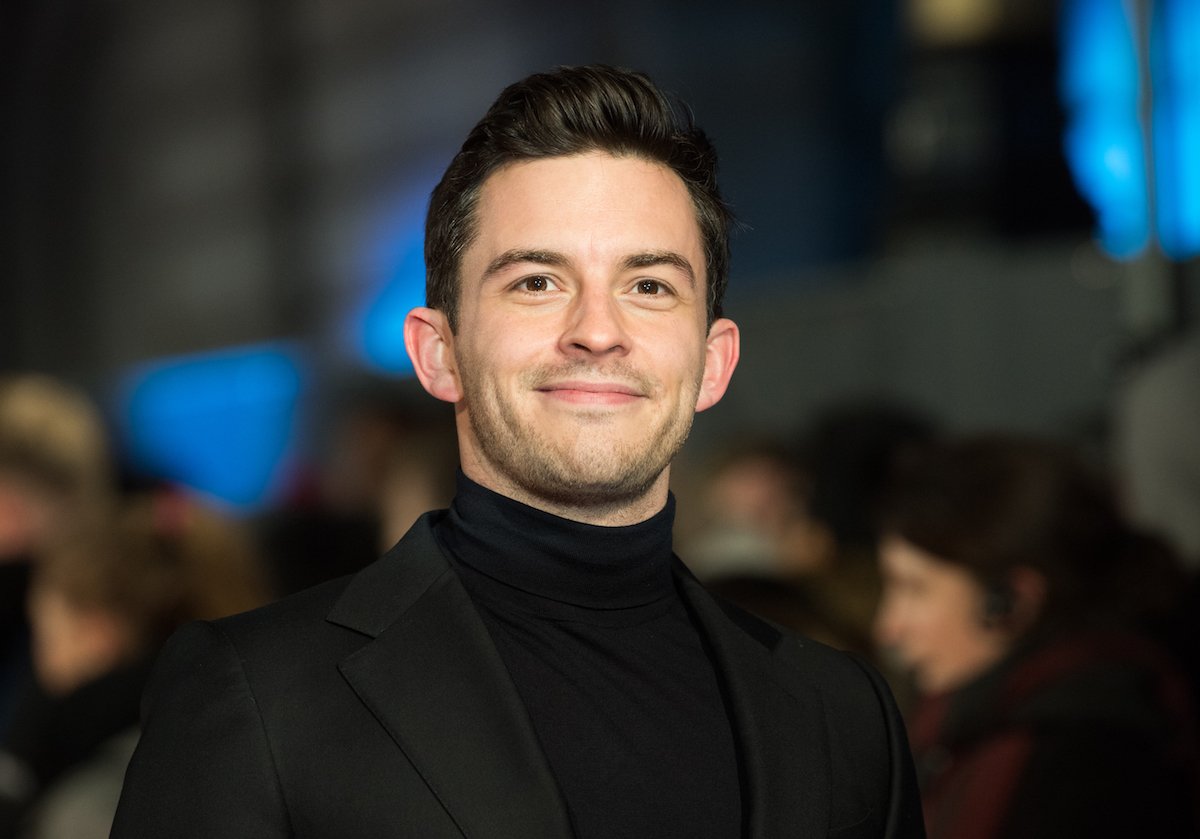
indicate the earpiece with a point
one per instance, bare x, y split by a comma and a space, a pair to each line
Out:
998, 602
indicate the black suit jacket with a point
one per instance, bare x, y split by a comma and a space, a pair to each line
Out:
377, 706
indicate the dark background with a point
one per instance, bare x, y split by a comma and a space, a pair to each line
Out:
183, 177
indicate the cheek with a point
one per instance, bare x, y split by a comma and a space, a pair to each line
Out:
688, 369
958, 649
943, 629
918, 629
489, 355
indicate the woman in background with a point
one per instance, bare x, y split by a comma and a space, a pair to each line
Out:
1020, 603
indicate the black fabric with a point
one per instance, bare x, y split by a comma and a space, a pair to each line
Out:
378, 706
52, 735
619, 686
15, 664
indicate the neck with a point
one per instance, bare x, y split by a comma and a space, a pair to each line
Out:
559, 559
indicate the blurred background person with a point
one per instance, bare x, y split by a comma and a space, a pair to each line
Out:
418, 476
390, 456
755, 544
101, 603
56, 473
751, 520
1021, 603
788, 532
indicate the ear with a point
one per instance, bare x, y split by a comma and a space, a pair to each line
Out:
721, 353
430, 345
1028, 587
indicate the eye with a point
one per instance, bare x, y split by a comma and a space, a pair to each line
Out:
536, 283
650, 287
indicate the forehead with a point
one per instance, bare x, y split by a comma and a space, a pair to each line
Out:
902, 560
590, 205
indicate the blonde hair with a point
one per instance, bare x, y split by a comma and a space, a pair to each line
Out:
54, 437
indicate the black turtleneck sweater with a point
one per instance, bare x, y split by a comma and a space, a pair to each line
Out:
615, 675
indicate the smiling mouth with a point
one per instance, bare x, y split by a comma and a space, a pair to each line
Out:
592, 393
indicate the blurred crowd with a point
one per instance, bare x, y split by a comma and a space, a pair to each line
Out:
1033, 602
99, 564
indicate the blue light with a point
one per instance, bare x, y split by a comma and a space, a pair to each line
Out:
1103, 142
394, 268
1099, 56
1105, 150
222, 423
1175, 37
383, 322
1100, 85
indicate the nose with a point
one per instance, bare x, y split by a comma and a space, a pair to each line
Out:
595, 326
888, 623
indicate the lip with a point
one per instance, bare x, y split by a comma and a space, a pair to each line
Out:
591, 393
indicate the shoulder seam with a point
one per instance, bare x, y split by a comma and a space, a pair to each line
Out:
258, 713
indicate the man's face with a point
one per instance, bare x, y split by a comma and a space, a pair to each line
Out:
581, 346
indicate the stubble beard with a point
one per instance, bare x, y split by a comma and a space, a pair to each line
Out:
578, 466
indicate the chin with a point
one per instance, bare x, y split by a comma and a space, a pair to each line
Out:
928, 682
575, 488
944, 682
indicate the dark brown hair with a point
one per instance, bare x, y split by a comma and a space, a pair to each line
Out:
573, 110
996, 502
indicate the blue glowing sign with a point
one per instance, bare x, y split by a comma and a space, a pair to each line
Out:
221, 423
1105, 142
382, 330
1175, 72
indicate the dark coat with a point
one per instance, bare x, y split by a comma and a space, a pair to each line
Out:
378, 706
1088, 734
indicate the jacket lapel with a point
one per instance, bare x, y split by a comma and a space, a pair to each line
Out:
433, 679
779, 722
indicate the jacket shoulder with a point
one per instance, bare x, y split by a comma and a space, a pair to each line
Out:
285, 619
365, 602
826, 664
837, 700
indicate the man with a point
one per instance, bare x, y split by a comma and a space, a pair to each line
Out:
534, 662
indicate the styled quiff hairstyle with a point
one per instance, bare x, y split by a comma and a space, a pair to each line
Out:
569, 111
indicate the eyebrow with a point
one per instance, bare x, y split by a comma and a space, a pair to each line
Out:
646, 259
519, 255
650, 259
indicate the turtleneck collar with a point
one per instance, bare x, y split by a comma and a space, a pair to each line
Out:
566, 561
